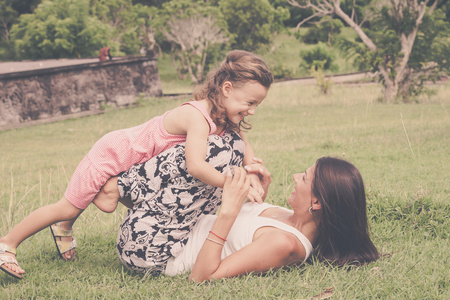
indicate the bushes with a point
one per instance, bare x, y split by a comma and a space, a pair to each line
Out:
323, 32
318, 57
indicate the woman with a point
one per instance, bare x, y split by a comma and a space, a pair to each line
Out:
328, 211
328, 214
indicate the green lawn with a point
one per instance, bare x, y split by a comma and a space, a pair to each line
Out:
402, 151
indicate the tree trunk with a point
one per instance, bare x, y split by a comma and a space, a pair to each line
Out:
390, 90
393, 87
177, 67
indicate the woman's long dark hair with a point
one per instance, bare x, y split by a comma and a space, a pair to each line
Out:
343, 230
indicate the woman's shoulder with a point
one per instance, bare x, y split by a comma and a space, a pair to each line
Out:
285, 244
270, 224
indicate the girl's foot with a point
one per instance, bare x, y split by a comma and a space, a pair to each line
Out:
8, 262
65, 243
108, 197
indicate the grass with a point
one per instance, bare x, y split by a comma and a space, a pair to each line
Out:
170, 82
400, 149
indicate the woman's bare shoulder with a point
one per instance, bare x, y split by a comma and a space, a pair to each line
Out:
285, 244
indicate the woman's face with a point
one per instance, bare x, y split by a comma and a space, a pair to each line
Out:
302, 195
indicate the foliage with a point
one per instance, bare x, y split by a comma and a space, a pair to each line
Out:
396, 42
295, 14
317, 60
192, 28
323, 32
252, 23
10, 10
131, 25
7, 16
24, 6
59, 29
429, 58
358, 9
74, 29
322, 82
281, 71
151, 3
318, 57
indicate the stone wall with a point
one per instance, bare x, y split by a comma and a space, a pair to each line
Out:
52, 92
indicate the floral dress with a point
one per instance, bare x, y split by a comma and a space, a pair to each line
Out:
168, 202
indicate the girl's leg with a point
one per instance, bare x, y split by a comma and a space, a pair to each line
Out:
67, 225
36, 221
108, 197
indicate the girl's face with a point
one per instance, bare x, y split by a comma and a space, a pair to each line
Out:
240, 102
302, 196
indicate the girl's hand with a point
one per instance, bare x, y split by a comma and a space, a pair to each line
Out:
256, 190
264, 176
235, 190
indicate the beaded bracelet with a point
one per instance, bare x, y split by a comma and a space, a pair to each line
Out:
215, 241
218, 236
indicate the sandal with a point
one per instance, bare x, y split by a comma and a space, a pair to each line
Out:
63, 246
6, 259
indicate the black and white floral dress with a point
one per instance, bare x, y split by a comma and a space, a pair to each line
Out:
168, 202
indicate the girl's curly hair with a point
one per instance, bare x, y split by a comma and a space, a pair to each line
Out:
239, 68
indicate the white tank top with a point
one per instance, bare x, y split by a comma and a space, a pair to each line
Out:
241, 235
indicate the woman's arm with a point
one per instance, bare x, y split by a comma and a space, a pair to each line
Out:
271, 249
235, 190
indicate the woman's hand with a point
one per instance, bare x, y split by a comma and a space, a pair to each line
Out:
264, 175
256, 191
235, 191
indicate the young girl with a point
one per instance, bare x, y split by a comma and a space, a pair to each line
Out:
231, 92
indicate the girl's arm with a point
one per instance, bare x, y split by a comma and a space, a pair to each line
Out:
263, 174
189, 121
256, 192
249, 154
272, 249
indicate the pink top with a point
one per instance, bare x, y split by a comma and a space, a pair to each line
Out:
146, 141
117, 151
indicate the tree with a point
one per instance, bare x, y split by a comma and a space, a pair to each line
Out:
130, 25
295, 14
10, 11
394, 44
252, 23
324, 32
192, 28
59, 29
